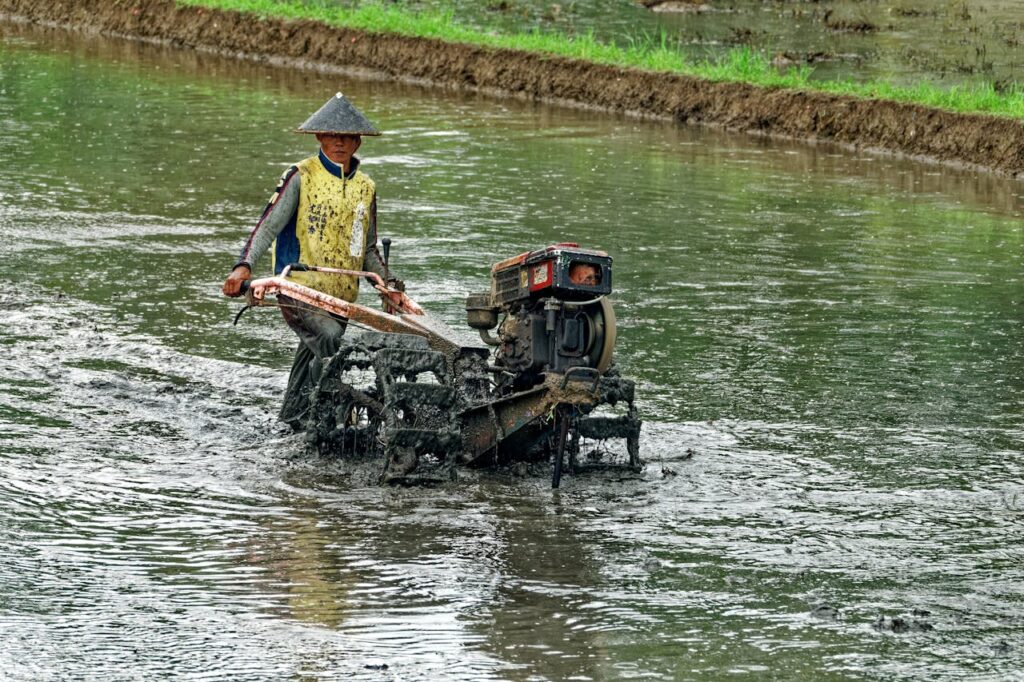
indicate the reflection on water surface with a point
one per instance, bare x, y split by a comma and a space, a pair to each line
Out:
836, 338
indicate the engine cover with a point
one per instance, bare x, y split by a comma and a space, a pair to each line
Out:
564, 271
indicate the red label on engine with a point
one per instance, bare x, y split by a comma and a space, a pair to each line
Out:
540, 276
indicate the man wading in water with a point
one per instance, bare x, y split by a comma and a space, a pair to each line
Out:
323, 213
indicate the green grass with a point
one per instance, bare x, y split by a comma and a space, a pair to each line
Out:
741, 65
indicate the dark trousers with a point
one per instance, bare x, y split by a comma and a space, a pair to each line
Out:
319, 335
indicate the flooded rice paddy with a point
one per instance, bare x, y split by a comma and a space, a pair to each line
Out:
828, 351
945, 41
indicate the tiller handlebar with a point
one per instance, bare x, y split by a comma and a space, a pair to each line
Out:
402, 316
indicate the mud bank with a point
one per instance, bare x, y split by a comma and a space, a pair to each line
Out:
974, 140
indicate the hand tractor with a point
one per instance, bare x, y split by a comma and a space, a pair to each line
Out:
409, 393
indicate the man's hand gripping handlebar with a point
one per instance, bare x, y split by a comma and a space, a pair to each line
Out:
237, 282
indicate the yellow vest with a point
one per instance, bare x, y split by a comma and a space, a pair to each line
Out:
331, 225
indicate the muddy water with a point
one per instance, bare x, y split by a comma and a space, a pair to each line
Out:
946, 41
828, 348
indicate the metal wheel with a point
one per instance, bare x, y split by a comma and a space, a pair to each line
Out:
422, 435
403, 410
344, 419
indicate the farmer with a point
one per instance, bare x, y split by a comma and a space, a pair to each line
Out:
323, 213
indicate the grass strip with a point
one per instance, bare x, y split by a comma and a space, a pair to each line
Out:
741, 65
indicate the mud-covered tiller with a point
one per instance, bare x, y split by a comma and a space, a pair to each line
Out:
409, 392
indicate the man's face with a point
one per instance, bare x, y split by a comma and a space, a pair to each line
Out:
584, 273
339, 148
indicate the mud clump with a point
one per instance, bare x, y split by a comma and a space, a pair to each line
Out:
785, 59
676, 5
847, 25
913, 12
995, 143
825, 612
1002, 648
899, 625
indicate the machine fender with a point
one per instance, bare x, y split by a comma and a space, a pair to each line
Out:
604, 360
602, 316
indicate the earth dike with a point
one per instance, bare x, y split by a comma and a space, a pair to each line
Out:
967, 140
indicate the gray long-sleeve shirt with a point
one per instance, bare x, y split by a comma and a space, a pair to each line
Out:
281, 211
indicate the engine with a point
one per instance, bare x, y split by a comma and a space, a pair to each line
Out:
556, 314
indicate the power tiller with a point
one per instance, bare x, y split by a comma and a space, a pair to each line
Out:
407, 392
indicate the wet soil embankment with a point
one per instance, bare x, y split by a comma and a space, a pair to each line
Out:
975, 140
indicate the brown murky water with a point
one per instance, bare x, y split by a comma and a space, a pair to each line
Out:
828, 349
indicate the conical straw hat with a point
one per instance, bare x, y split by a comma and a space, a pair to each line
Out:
340, 117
